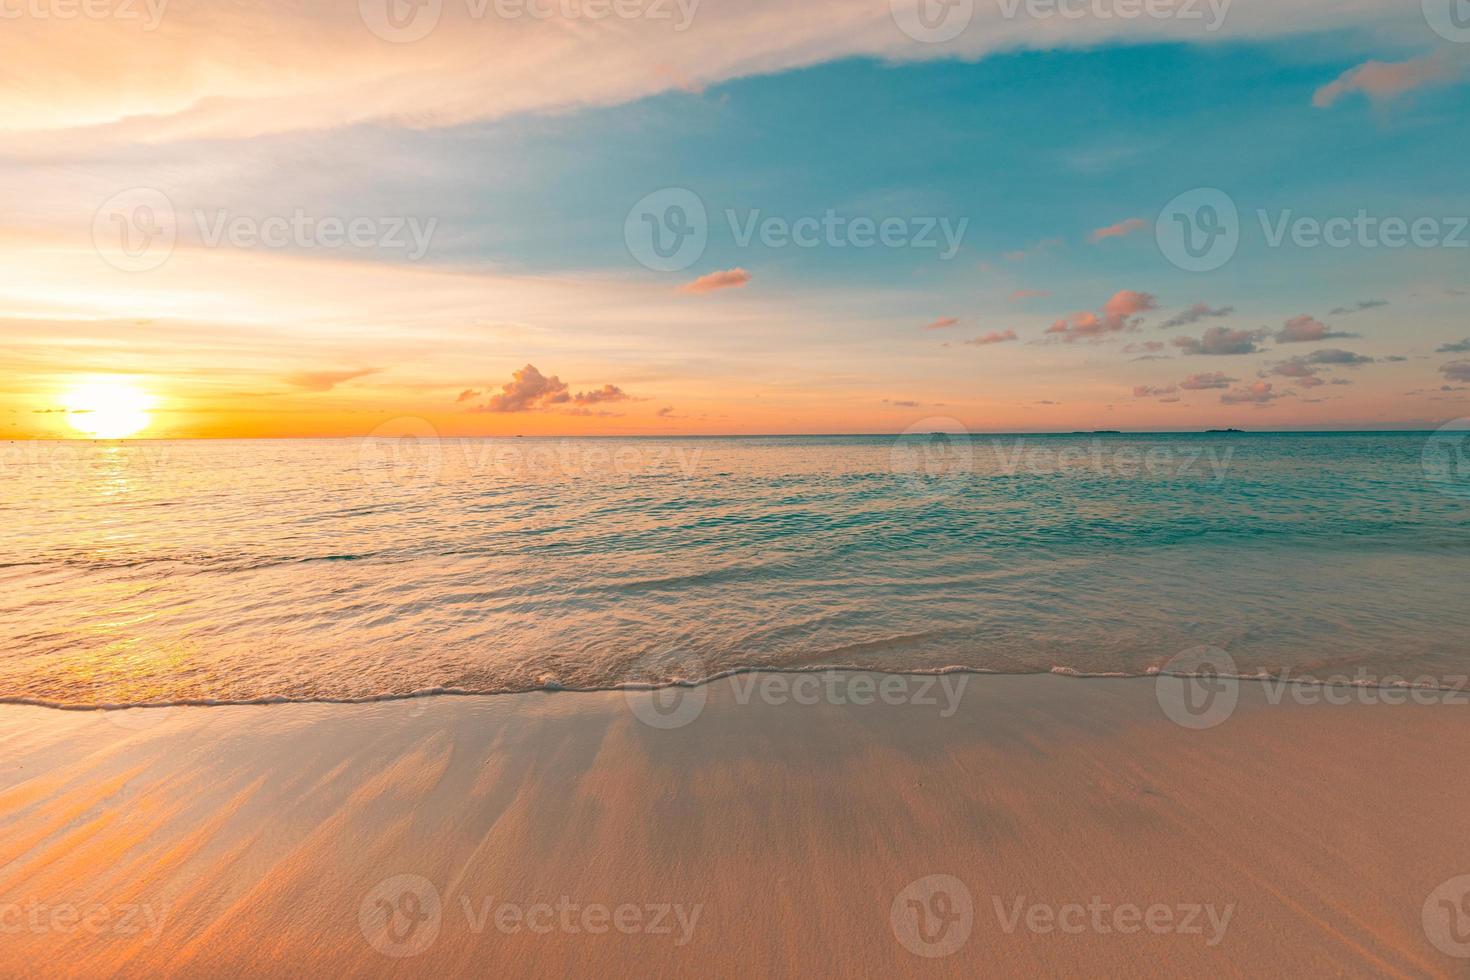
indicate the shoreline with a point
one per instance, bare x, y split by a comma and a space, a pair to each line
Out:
1336, 681
1055, 827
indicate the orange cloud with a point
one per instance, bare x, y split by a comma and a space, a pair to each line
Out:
1021, 254
942, 323
724, 279
1383, 81
607, 393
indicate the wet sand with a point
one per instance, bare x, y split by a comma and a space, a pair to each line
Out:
1033, 825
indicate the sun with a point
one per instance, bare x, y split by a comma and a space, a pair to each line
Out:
108, 408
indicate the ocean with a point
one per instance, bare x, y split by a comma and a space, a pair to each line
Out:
150, 572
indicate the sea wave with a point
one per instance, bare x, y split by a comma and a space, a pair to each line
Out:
1458, 684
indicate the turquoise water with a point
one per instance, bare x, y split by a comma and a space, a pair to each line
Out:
304, 569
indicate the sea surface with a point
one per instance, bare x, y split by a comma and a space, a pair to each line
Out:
162, 572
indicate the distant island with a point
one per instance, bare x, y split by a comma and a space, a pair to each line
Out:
1210, 431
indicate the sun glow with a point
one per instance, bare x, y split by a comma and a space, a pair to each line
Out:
108, 408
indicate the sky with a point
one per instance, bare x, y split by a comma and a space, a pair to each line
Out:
608, 217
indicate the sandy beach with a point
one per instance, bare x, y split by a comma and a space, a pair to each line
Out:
1015, 826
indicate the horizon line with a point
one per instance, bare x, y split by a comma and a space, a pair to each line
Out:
1223, 430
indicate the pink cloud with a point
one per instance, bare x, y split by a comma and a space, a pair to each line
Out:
1125, 227
994, 337
1117, 315
1383, 81
1029, 294
1456, 370
724, 279
942, 323
526, 390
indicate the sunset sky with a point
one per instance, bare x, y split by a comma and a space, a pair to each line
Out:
168, 271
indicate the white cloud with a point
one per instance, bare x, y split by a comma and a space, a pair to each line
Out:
260, 66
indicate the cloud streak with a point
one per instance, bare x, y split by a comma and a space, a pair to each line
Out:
326, 380
1195, 314
994, 337
1259, 393
1383, 81
1358, 307
1123, 228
